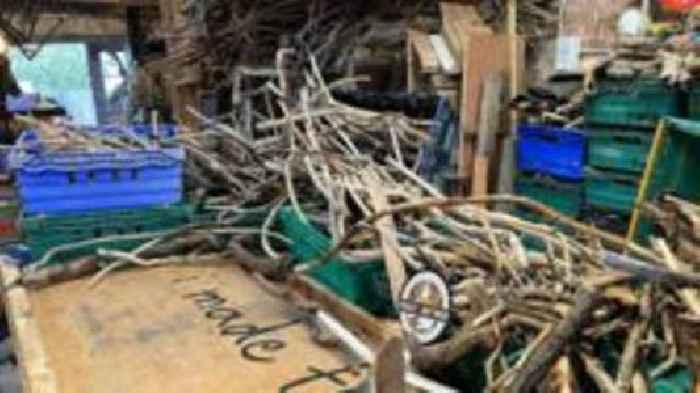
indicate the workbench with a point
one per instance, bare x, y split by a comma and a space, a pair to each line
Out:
192, 328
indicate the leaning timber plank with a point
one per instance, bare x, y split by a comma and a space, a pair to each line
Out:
387, 236
428, 61
187, 328
483, 55
489, 127
37, 375
459, 23
480, 179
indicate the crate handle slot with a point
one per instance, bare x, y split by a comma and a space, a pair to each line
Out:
549, 138
628, 139
623, 182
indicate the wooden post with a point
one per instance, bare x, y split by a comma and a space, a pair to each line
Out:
506, 176
646, 179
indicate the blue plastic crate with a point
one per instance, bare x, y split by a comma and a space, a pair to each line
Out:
552, 151
165, 131
21, 103
65, 182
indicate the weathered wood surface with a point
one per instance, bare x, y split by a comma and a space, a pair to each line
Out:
145, 331
428, 60
37, 376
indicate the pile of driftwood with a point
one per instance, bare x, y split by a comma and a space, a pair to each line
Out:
221, 35
554, 305
679, 221
565, 304
535, 18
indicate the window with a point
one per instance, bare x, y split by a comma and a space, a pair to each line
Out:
60, 71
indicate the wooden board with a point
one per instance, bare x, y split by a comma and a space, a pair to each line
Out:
427, 59
157, 330
458, 22
483, 55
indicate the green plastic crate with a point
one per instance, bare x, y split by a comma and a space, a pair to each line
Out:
619, 150
564, 197
8, 210
694, 103
631, 103
43, 233
682, 157
617, 192
365, 284
674, 171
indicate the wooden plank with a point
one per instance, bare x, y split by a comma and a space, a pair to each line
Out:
490, 112
506, 170
466, 14
448, 64
489, 127
411, 78
484, 55
458, 22
346, 312
427, 59
79, 26
387, 235
37, 376
390, 367
191, 328
480, 179
452, 33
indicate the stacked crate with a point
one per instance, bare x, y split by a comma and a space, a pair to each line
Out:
77, 196
620, 118
8, 213
551, 163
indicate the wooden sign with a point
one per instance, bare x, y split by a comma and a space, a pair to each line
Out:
172, 329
